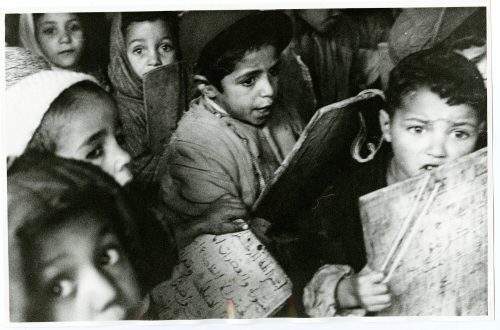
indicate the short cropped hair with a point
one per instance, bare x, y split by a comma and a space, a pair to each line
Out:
449, 75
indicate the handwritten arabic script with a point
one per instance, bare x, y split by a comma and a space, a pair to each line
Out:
445, 268
223, 276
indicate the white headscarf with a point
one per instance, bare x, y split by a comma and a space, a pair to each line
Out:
29, 99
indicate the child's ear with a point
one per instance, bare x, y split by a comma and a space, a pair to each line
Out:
482, 127
385, 124
204, 86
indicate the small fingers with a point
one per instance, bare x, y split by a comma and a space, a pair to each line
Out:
227, 198
371, 289
370, 278
369, 302
378, 308
234, 213
242, 223
228, 227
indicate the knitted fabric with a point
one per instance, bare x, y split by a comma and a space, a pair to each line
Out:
20, 63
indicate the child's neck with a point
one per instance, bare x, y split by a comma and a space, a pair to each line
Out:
392, 175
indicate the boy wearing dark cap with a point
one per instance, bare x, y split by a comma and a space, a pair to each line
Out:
237, 132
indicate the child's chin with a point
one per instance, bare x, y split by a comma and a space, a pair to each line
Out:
259, 121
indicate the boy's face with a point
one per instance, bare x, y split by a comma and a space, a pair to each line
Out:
425, 132
149, 45
89, 134
60, 36
249, 91
82, 272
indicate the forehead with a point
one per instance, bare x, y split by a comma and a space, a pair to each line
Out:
82, 227
56, 17
147, 29
93, 106
427, 105
262, 58
93, 113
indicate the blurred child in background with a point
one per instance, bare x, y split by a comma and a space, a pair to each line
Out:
68, 114
64, 40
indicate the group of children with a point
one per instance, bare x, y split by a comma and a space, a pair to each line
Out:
109, 177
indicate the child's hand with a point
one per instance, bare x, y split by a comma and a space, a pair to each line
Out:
225, 215
372, 294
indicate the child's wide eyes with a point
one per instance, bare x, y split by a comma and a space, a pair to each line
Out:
110, 256
95, 153
167, 48
62, 288
461, 135
49, 31
248, 82
74, 27
138, 50
416, 129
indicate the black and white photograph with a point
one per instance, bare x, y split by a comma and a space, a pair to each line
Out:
288, 163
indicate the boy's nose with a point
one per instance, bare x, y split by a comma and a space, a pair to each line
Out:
154, 59
122, 159
65, 37
437, 145
120, 169
267, 87
99, 291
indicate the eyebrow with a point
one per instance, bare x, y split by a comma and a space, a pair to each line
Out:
477, 58
105, 233
54, 22
144, 39
417, 119
47, 263
256, 71
463, 122
93, 138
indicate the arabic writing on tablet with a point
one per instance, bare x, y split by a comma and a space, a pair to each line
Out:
223, 276
444, 270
